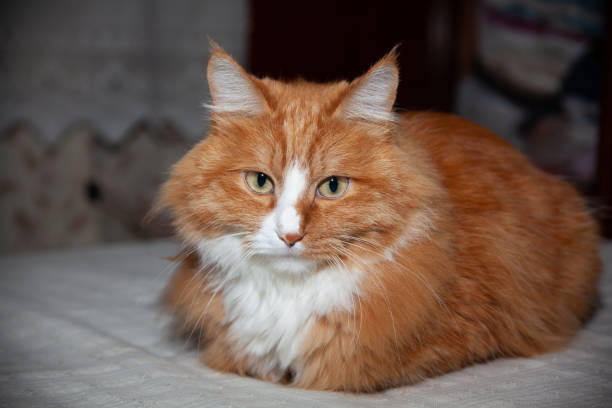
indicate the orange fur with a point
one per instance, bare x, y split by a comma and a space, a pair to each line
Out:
470, 252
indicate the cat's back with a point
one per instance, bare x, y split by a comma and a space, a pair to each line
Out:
483, 173
495, 189
518, 231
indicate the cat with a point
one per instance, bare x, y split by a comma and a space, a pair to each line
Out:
332, 244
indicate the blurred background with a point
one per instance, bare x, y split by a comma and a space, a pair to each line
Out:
98, 99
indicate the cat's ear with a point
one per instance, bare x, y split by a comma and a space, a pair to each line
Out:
231, 88
371, 96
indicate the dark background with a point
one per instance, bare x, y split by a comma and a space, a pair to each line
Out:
345, 39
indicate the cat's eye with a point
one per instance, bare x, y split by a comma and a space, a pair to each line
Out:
333, 187
259, 182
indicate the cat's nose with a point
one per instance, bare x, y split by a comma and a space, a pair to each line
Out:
291, 238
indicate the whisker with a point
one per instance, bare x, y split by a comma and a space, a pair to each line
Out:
355, 338
418, 275
383, 291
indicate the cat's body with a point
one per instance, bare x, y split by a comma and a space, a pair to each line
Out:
447, 247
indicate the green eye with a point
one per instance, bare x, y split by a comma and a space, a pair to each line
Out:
333, 187
260, 183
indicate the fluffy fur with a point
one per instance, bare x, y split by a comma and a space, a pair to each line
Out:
448, 247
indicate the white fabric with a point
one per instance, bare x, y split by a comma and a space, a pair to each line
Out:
81, 328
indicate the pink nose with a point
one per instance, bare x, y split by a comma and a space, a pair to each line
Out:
291, 238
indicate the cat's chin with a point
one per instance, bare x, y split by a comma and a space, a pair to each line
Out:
288, 264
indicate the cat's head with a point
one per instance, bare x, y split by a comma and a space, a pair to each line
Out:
296, 174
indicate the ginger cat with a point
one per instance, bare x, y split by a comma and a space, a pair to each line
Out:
332, 244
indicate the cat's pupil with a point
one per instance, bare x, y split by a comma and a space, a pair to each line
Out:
261, 179
333, 184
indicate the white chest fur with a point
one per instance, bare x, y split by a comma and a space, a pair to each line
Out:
270, 312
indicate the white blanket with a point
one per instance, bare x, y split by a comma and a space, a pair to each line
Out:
82, 328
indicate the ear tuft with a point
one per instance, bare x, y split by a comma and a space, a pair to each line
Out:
231, 88
372, 95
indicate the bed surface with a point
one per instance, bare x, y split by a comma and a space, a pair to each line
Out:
81, 328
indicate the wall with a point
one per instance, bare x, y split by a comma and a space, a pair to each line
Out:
98, 99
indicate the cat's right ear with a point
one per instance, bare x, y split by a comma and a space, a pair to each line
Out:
232, 89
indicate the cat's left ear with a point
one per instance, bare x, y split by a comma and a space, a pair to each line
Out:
232, 89
371, 96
